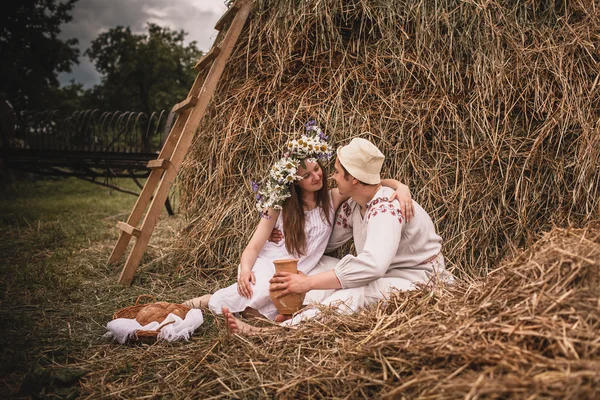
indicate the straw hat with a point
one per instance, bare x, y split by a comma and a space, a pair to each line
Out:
362, 159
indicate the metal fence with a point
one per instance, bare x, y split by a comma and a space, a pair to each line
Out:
91, 130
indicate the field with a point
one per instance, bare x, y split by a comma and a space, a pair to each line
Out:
529, 330
57, 290
487, 110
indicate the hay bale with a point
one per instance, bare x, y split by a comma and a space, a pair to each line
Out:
488, 110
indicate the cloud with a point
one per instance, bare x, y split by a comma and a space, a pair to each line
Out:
92, 17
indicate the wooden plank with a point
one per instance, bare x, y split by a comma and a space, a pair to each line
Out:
230, 13
185, 140
208, 57
136, 214
184, 105
149, 187
131, 230
153, 180
160, 163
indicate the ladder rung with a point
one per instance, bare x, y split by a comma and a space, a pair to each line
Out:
184, 105
160, 163
211, 55
227, 16
125, 227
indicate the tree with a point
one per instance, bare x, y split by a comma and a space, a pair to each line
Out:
146, 72
32, 54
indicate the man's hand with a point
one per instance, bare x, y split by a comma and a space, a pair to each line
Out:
290, 283
402, 194
276, 236
244, 287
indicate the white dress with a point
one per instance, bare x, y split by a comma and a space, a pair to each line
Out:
317, 230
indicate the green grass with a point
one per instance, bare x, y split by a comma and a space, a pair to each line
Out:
56, 290
46, 223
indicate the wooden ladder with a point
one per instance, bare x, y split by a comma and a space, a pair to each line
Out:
164, 168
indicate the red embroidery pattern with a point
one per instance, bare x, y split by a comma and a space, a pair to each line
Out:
346, 209
343, 218
381, 205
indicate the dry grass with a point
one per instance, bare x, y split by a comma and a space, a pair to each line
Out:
530, 330
56, 290
489, 110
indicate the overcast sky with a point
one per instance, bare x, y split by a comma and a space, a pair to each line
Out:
92, 17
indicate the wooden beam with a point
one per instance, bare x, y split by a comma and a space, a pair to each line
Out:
208, 57
132, 230
151, 184
175, 148
184, 105
227, 16
136, 214
160, 163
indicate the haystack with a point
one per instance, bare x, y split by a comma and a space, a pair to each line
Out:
488, 110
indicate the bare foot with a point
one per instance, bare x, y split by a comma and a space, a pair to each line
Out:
251, 313
198, 302
282, 317
235, 326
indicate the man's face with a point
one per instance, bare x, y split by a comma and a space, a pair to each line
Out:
344, 185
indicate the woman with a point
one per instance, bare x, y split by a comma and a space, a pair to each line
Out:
296, 201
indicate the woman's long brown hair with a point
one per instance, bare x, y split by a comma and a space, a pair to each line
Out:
294, 219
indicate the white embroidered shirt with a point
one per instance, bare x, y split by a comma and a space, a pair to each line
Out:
386, 245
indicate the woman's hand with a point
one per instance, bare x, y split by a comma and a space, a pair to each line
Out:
244, 287
402, 194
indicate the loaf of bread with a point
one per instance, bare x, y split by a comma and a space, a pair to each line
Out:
157, 312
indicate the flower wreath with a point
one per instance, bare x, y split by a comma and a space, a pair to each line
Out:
311, 146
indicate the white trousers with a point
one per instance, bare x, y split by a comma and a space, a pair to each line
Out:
348, 301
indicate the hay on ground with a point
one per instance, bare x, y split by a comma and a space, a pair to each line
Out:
529, 330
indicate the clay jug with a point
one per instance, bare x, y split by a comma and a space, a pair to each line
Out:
289, 303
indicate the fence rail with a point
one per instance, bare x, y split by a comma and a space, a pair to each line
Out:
89, 130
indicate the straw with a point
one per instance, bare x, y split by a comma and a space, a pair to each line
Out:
487, 110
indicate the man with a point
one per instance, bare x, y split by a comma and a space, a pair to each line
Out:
392, 254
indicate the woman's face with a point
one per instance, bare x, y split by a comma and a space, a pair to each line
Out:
312, 177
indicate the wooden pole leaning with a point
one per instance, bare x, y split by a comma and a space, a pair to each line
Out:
165, 168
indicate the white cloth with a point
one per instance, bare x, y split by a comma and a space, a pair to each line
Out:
349, 301
122, 329
317, 230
